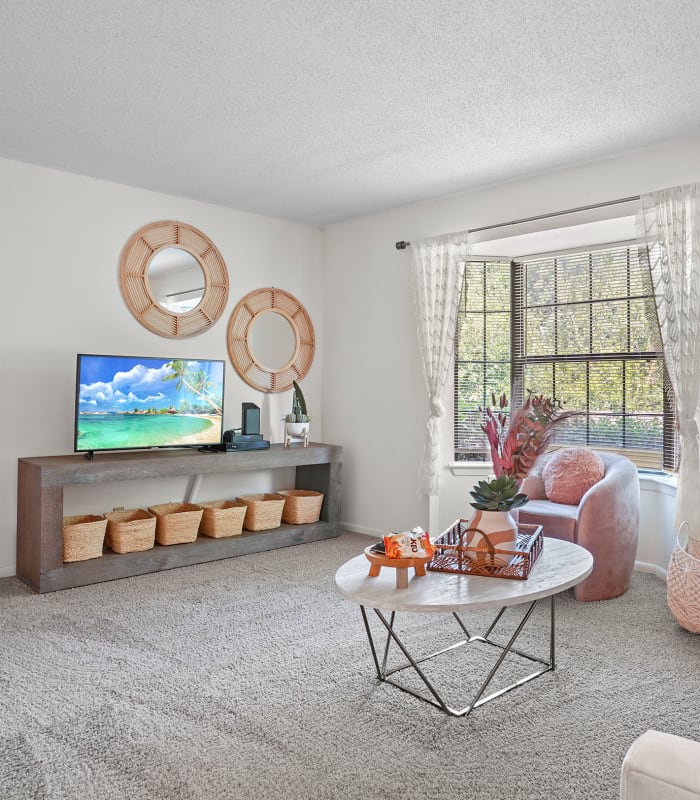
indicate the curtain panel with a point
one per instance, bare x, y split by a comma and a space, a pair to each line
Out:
437, 268
669, 227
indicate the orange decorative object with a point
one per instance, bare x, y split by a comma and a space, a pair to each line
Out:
409, 544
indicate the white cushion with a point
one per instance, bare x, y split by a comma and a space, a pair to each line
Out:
661, 766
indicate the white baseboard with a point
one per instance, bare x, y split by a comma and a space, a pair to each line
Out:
655, 569
377, 534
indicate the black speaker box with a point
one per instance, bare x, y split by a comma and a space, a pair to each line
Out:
250, 419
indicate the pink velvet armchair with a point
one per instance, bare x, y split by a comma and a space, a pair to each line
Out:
605, 522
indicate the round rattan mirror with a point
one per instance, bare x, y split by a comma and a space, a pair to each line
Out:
163, 254
270, 340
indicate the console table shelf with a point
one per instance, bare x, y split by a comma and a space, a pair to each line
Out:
40, 509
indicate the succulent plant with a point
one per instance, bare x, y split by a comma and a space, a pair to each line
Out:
299, 412
499, 494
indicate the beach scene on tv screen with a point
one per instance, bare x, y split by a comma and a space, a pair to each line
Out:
126, 402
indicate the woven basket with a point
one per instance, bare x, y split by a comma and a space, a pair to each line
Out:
301, 506
130, 531
83, 537
683, 587
222, 518
452, 554
263, 512
176, 523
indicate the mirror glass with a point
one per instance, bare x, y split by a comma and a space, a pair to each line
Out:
272, 340
176, 280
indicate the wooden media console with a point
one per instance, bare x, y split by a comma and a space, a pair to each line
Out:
40, 485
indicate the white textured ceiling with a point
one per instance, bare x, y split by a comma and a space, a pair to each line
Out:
320, 111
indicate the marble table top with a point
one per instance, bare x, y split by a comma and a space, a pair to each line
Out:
560, 566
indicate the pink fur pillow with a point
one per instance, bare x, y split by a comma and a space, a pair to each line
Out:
570, 473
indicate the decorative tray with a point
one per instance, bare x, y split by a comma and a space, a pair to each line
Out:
452, 555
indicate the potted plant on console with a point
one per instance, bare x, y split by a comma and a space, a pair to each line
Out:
296, 424
514, 449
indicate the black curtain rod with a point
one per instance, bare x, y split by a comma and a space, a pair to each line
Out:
403, 245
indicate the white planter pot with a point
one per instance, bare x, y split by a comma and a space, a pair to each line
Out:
500, 528
297, 429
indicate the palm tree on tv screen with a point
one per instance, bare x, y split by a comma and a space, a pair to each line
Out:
196, 381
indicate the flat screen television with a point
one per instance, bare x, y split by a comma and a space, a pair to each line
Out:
132, 402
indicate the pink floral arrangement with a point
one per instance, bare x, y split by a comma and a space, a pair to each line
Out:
515, 447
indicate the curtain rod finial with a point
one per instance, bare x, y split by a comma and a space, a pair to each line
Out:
402, 245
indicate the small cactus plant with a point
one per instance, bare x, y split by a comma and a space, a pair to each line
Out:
299, 411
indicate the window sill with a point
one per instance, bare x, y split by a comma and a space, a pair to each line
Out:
663, 483
471, 467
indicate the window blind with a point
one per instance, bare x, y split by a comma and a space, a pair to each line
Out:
580, 327
482, 352
589, 337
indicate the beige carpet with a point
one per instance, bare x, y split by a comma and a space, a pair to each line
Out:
251, 678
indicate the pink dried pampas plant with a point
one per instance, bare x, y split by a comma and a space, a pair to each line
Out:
515, 447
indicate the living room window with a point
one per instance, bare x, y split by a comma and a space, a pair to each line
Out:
580, 327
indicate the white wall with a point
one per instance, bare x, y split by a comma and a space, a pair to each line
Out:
62, 238
374, 396
63, 235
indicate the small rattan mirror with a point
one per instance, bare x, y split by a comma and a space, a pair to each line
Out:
187, 255
270, 340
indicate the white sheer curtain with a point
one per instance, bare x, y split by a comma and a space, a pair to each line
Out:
437, 268
669, 224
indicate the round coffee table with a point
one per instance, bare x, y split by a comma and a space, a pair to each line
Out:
560, 566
